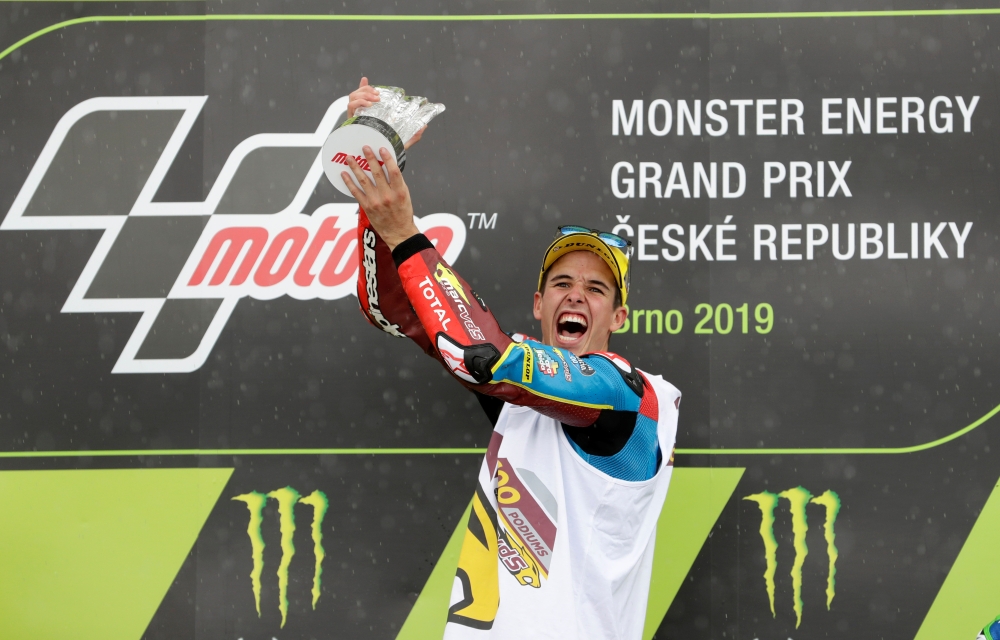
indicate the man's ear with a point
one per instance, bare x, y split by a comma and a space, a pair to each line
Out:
618, 318
536, 308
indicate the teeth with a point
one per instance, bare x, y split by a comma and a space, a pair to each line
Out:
573, 317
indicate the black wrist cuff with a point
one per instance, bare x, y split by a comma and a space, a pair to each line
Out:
407, 248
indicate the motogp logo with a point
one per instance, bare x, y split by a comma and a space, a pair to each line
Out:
185, 265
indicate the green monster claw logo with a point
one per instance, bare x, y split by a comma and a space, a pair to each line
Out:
797, 499
287, 499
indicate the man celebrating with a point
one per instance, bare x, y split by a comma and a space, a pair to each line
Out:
561, 535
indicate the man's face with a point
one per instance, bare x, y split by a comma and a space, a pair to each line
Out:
576, 305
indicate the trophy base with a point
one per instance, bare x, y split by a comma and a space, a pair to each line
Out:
348, 141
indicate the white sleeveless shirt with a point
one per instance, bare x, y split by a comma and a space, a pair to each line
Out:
556, 548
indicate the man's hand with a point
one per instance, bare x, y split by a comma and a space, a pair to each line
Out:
365, 96
386, 201
415, 138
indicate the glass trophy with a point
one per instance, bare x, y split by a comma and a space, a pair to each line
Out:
389, 123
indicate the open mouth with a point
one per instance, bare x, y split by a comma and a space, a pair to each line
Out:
570, 327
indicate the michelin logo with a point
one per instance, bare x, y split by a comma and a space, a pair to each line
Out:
185, 265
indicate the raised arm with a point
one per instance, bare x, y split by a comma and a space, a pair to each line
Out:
459, 327
475, 349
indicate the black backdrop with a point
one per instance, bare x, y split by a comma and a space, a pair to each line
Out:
863, 354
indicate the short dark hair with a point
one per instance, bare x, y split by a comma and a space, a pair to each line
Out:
618, 292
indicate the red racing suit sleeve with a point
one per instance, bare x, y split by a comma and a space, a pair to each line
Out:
465, 336
380, 292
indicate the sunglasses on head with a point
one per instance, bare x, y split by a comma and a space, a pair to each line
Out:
610, 239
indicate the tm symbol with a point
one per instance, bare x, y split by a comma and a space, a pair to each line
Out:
484, 222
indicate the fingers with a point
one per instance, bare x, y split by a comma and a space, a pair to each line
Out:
415, 138
378, 193
362, 179
378, 175
364, 96
356, 101
365, 93
354, 105
358, 194
395, 175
